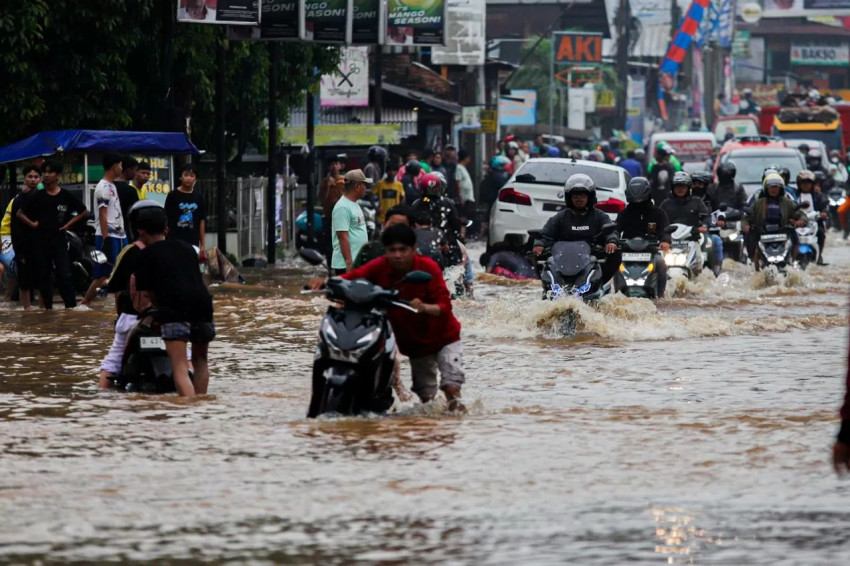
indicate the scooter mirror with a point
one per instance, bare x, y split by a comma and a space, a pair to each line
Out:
610, 227
802, 205
311, 256
420, 277
723, 207
669, 229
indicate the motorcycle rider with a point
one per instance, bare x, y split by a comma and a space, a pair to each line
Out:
701, 180
684, 208
443, 214
817, 201
580, 221
773, 208
661, 174
642, 219
726, 190
411, 179
375, 169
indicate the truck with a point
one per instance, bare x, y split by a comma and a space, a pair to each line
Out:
829, 124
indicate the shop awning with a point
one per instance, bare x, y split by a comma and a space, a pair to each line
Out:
422, 98
65, 141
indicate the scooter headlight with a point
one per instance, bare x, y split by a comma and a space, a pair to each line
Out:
732, 236
370, 337
327, 329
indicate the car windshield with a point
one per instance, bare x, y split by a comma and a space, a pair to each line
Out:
736, 127
751, 167
831, 139
557, 173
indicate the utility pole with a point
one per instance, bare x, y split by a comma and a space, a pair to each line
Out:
274, 63
221, 142
623, 41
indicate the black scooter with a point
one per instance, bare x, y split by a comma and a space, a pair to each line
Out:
355, 355
82, 256
146, 367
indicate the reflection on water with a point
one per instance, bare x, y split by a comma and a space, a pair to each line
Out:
690, 431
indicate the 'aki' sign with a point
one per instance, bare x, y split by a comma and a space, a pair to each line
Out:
572, 47
820, 53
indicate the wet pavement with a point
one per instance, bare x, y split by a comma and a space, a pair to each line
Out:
694, 431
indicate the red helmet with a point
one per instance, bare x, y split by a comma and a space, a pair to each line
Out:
431, 186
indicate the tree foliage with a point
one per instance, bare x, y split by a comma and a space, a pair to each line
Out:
127, 65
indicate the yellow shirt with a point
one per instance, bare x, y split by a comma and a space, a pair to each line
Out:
143, 192
389, 193
6, 224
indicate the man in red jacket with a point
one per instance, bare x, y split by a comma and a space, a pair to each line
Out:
429, 337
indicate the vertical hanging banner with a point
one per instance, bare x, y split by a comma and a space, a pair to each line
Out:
416, 22
235, 12
349, 85
327, 21
281, 21
366, 25
465, 37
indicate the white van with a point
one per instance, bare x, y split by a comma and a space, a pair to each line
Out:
693, 149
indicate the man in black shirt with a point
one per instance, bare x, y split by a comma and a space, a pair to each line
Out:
52, 212
187, 212
642, 219
167, 274
22, 236
127, 195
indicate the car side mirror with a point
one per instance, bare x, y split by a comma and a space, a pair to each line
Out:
417, 277
311, 256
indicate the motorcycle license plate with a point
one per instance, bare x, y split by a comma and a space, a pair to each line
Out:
628, 256
151, 343
773, 238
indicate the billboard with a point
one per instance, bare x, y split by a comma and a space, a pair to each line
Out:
577, 47
820, 52
518, 110
800, 8
416, 22
281, 20
234, 12
349, 86
327, 21
367, 22
465, 37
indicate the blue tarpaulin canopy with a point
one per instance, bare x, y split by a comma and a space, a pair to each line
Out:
90, 141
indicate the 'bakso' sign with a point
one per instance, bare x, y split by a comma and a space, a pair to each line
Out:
835, 53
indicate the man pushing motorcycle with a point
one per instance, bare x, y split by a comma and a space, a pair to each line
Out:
430, 337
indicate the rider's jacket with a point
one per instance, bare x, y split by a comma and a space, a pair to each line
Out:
570, 226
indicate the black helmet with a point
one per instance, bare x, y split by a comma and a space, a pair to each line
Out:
820, 176
580, 183
638, 190
614, 141
703, 177
377, 153
786, 174
146, 214
413, 167
727, 171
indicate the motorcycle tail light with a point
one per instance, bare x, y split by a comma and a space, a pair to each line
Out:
512, 196
611, 205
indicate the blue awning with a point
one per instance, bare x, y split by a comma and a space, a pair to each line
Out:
83, 141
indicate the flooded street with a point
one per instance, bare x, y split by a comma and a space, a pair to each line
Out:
696, 431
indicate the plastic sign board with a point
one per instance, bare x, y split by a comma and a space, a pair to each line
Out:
802, 8
519, 108
327, 21
349, 86
470, 117
465, 37
282, 20
579, 77
813, 52
367, 26
573, 47
234, 12
416, 22
345, 135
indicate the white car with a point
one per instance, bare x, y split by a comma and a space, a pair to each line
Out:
536, 192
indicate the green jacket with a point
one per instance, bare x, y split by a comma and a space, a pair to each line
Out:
787, 212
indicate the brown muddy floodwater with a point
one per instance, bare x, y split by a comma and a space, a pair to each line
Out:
694, 432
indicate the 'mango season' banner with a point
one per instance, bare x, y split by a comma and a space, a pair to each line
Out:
416, 22
366, 28
326, 21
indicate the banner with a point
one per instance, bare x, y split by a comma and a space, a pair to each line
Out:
416, 22
803, 8
327, 21
235, 12
518, 110
349, 86
281, 20
366, 27
820, 52
344, 135
465, 37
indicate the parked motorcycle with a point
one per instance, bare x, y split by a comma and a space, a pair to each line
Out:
685, 257
355, 354
82, 256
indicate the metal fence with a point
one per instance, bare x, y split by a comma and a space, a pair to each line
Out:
244, 202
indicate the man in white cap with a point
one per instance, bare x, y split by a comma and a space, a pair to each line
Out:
348, 223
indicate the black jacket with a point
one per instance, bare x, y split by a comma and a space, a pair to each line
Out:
820, 201
645, 221
732, 194
691, 211
569, 226
661, 190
